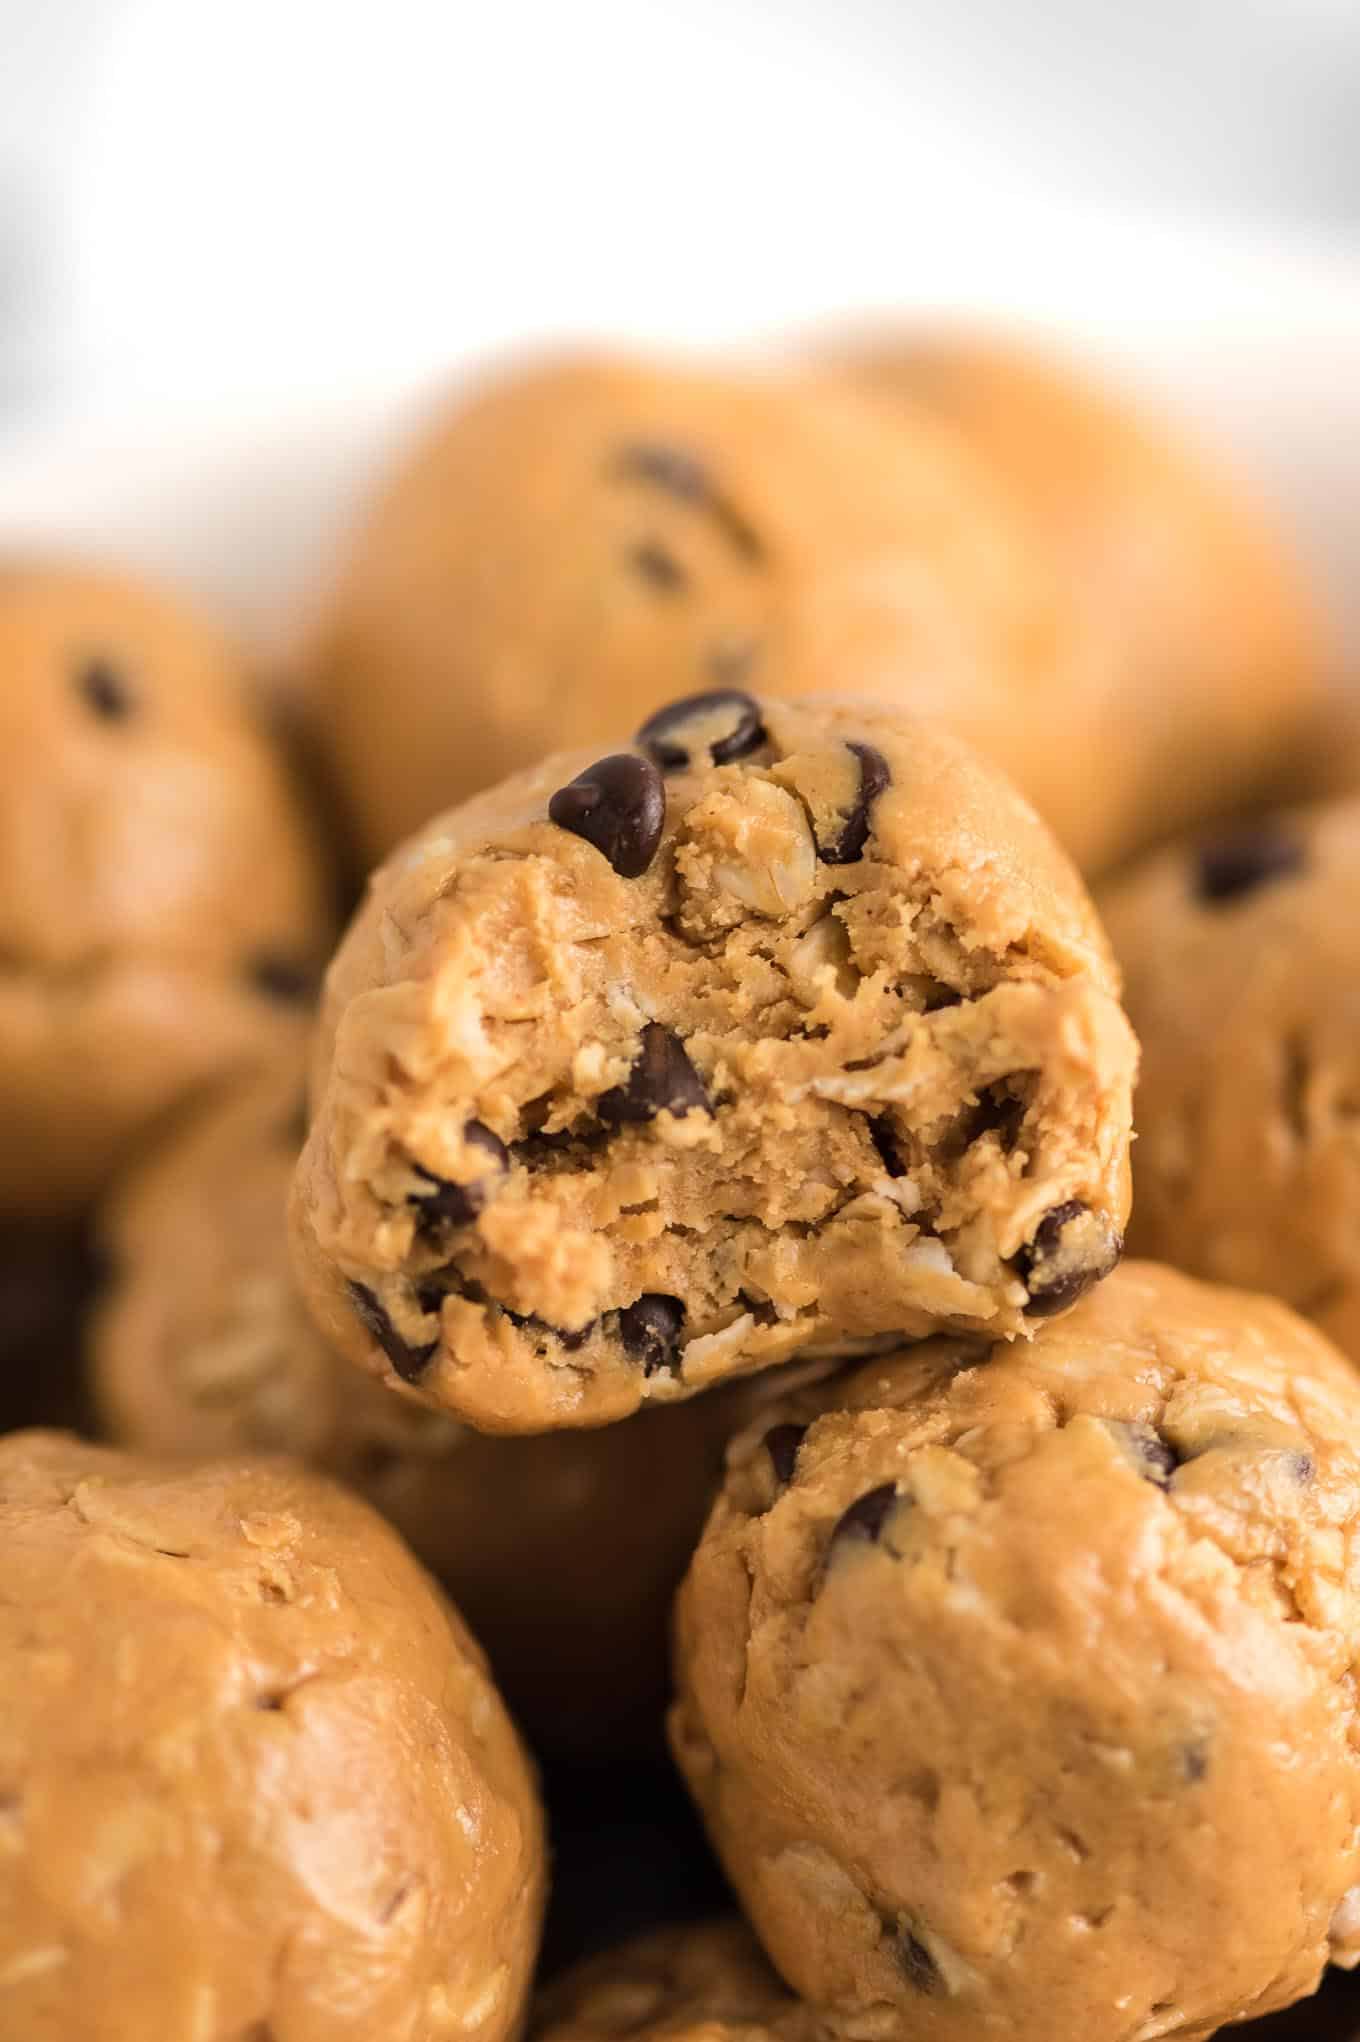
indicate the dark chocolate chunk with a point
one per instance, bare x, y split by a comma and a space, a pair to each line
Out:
619, 806
1236, 862
106, 691
874, 776
652, 561
662, 1078
459, 1204
650, 1330
409, 1362
285, 979
725, 722
683, 476
917, 1963
781, 1443
866, 1517
883, 1135
1154, 1457
1072, 1249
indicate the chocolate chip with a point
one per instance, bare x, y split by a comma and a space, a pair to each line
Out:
1154, 1457
459, 1204
656, 565
650, 1330
662, 1079
724, 722
409, 1362
874, 775
619, 806
917, 1963
683, 476
285, 979
1237, 861
883, 1135
1072, 1249
781, 1443
864, 1520
106, 691
1195, 1760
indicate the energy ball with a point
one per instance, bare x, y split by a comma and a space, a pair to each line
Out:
1242, 954
1212, 669
705, 1982
580, 539
254, 1778
164, 911
563, 1552
787, 1031
1016, 1681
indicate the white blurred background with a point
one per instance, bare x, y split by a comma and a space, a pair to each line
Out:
237, 239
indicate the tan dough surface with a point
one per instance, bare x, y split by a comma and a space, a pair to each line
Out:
1248, 1107
1216, 668
254, 1780
760, 1099
581, 539
1017, 1682
704, 1982
561, 1551
163, 907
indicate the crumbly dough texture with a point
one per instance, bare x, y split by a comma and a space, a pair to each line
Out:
843, 1063
581, 539
1017, 1682
1242, 954
164, 909
700, 1982
201, 1347
1211, 675
254, 1779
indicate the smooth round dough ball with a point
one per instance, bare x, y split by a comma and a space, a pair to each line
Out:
696, 1982
787, 1031
1242, 956
1016, 1682
201, 1346
1212, 669
578, 540
164, 908
254, 1778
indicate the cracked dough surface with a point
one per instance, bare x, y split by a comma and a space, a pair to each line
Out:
254, 1779
201, 1347
842, 1061
1242, 956
164, 911
703, 1982
1017, 1682
1211, 673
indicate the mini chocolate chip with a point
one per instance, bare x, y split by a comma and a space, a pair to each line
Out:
650, 1330
285, 979
106, 691
1154, 1457
409, 1362
662, 1078
619, 806
866, 1517
781, 1443
883, 1135
531, 1323
919, 1966
1237, 861
1072, 1249
459, 1204
1195, 1760
683, 476
874, 775
656, 565
1303, 1468
729, 715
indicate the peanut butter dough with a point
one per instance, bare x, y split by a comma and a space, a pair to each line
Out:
163, 906
1242, 950
254, 1779
708, 1982
1017, 1682
563, 1552
1211, 671
788, 1031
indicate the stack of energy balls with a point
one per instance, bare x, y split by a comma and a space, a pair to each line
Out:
704, 1164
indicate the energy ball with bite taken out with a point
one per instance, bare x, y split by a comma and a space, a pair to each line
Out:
164, 911
254, 1777
201, 1346
787, 1032
1016, 1681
